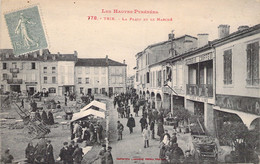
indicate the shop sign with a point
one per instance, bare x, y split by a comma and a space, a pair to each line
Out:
200, 58
239, 103
30, 83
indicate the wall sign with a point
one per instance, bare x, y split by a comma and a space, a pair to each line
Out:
239, 103
200, 58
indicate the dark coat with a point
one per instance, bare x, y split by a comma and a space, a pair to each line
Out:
130, 122
78, 155
29, 153
65, 155
108, 157
160, 130
143, 122
49, 154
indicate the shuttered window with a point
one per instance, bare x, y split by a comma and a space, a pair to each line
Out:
227, 58
253, 64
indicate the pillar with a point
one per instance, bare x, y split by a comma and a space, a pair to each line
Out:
209, 120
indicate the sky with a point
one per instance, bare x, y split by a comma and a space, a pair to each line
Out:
70, 26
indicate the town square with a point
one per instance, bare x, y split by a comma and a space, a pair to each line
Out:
90, 82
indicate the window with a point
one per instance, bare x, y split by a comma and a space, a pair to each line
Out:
81, 90
147, 77
52, 90
44, 69
87, 70
5, 76
227, 58
253, 64
33, 66
159, 78
136, 76
45, 80
79, 80
87, 80
14, 75
14, 65
53, 79
4, 65
53, 69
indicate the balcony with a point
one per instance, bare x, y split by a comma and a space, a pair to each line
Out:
14, 70
14, 81
201, 90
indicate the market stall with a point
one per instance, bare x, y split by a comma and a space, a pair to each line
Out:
95, 105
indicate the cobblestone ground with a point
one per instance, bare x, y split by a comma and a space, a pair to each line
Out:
131, 148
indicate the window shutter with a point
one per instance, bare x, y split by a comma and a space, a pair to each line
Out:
255, 63
249, 71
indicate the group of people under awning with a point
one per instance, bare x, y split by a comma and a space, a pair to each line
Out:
86, 124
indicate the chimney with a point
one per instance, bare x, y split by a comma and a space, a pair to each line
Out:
241, 28
35, 55
75, 53
203, 40
41, 52
53, 57
107, 59
45, 56
187, 45
170, 36
124, 61
223, 31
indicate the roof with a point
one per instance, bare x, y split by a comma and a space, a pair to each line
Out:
45, 55
83, 114
97, 62
95, 104
231, 37
237, 35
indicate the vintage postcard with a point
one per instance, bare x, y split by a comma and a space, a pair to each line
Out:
107, 81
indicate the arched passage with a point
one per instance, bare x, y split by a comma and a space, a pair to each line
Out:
158, 101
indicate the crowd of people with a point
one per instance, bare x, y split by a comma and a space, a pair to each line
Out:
88, 130
170, 152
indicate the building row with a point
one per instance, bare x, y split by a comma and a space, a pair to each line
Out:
58, 73
213, 79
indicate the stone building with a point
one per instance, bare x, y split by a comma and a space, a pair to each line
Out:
99, 76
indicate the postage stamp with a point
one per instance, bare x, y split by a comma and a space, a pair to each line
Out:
26, 30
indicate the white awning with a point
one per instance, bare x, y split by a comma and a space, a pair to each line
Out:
82, 114
247, 118
95, 103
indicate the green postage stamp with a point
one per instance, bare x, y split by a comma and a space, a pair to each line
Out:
26, 30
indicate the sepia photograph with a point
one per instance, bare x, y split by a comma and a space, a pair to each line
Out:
140, 81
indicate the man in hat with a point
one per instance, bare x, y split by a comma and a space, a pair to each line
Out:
49, 153
108, 156
143, 123
65, 154
174, 137
120, 129
131, 123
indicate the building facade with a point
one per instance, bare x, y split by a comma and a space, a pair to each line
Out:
237, 75
210, 79
100, 76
